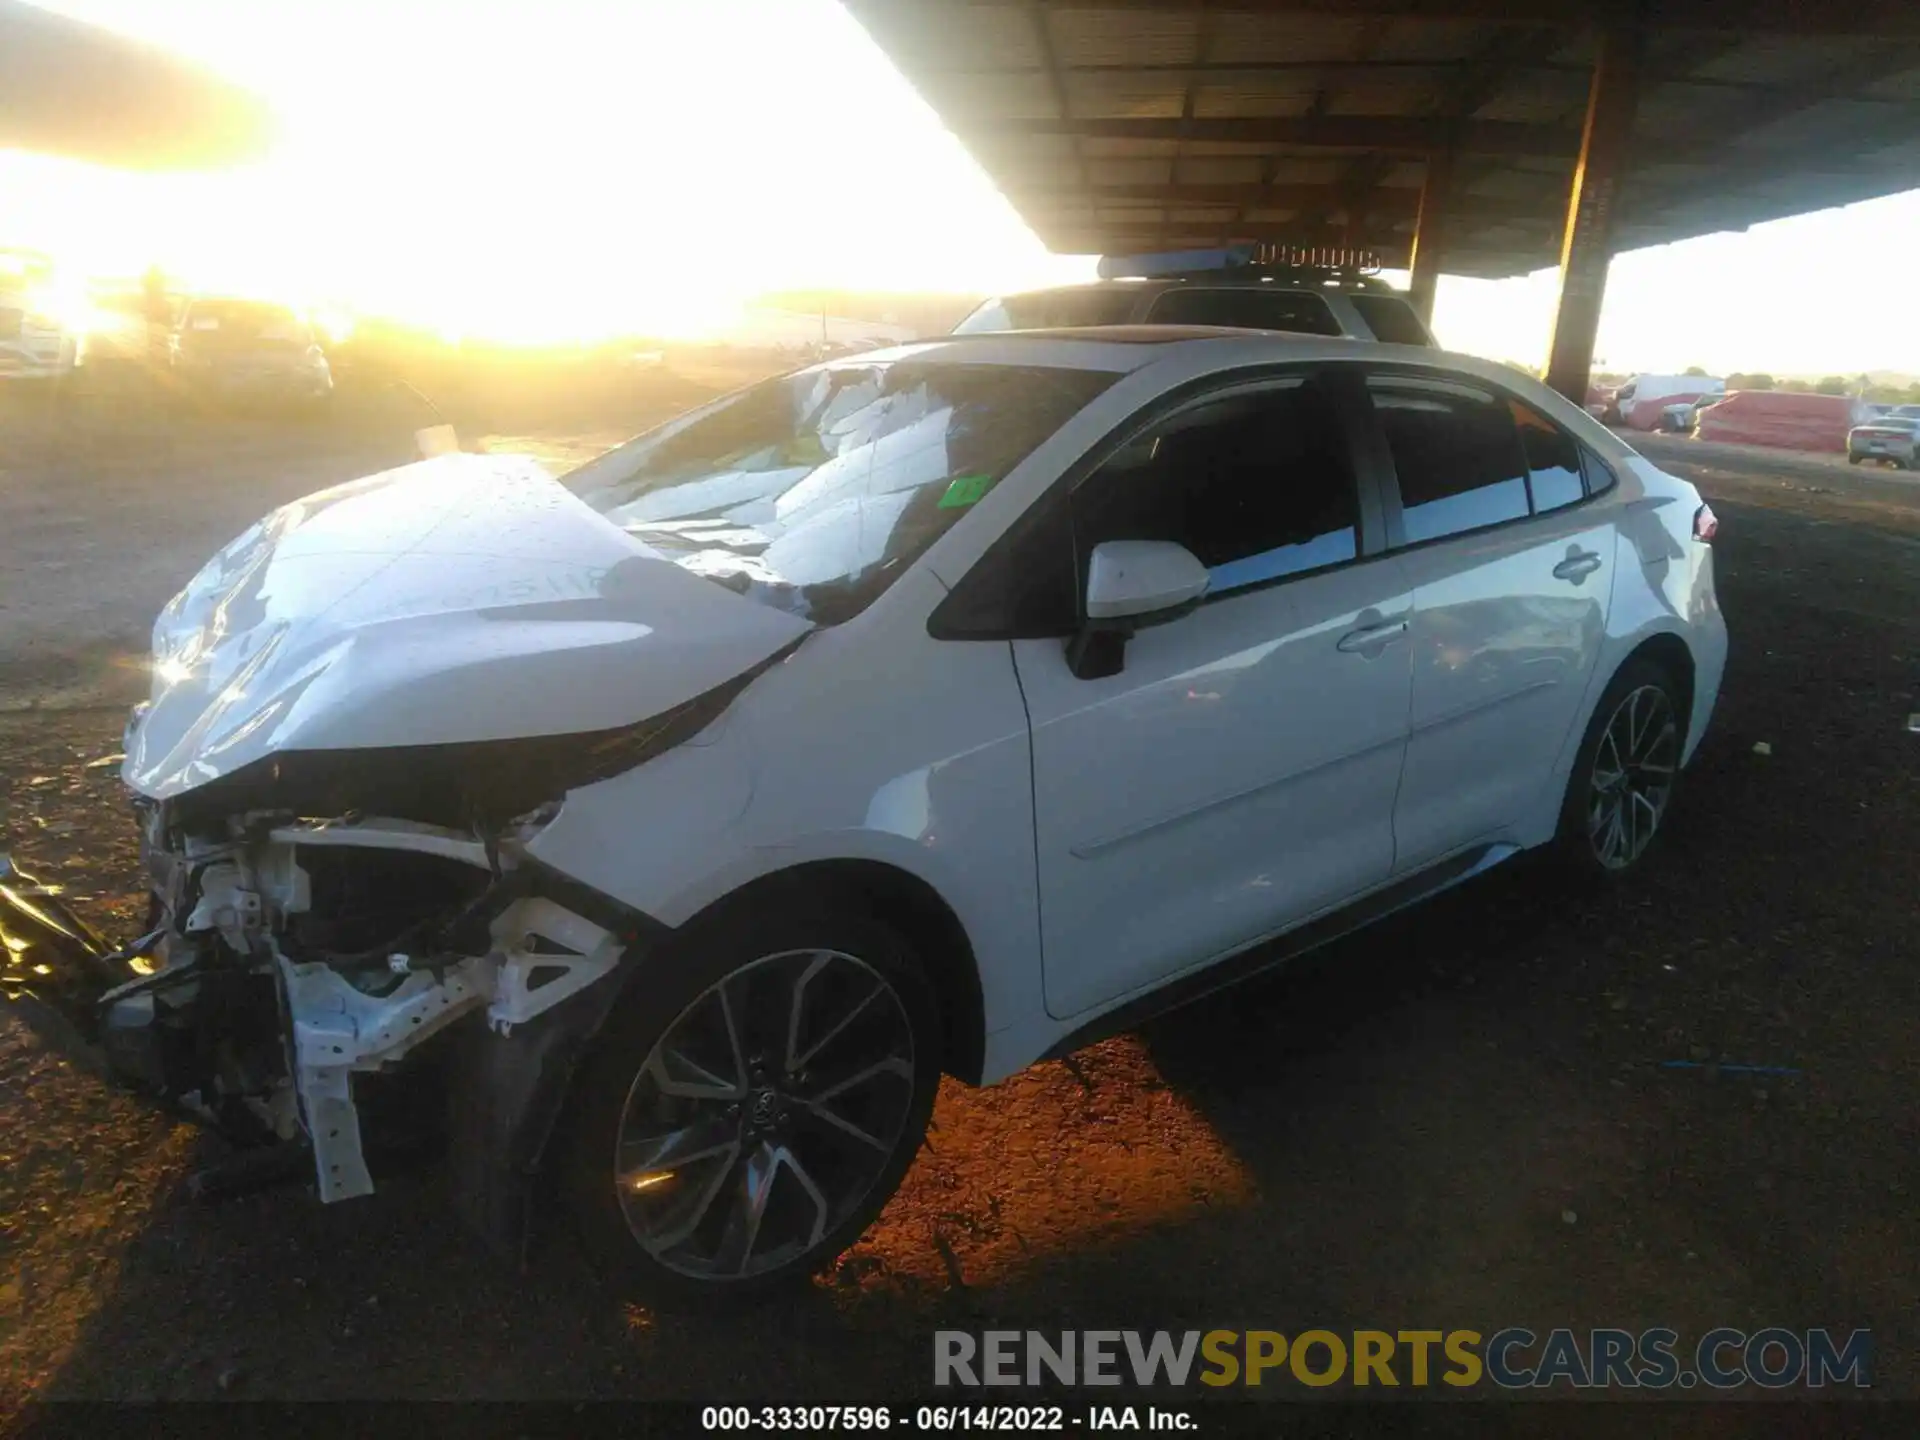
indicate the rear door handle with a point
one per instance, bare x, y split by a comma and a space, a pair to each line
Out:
1577, 566
1372, 639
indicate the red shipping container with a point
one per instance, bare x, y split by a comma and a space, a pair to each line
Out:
1781, 418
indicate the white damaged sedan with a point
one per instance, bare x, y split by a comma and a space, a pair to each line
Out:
929, 711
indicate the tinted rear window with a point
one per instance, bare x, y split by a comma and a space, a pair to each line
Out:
1391, 319
1249, 308
1553, 460
1456, 455
1051, 310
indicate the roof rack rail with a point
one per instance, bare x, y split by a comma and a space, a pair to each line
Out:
1296, 264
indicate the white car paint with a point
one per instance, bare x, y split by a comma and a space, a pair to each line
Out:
1504, 654
1141, 577
459, 599
1093, 838
1239, 774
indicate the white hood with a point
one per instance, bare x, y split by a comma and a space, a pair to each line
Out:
461, 599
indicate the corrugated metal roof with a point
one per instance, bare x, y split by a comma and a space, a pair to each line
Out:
1311, 119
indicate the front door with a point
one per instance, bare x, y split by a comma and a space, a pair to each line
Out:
1239, 774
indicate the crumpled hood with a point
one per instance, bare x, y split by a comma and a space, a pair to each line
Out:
466, 598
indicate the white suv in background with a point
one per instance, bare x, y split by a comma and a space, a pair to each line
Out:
1361, 308
934, 710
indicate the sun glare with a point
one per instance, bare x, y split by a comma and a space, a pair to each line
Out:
579, 170
543, 172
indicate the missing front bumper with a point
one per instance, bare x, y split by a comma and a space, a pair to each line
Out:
223, 1025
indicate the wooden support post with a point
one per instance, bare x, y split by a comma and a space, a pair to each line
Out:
1429, 236
1586, 250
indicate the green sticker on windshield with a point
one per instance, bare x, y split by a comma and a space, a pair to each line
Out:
965, 490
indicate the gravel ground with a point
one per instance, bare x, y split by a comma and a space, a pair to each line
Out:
1460, 1118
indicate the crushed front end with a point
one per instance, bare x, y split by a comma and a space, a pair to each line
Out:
289, 957
362, 710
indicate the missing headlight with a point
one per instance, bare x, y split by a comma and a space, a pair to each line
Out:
367, 904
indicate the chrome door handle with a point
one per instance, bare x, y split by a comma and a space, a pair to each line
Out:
1372, 639
1577, 566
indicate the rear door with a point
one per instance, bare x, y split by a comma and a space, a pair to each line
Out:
1512, 575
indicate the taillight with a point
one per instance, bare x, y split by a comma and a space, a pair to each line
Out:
1706, 525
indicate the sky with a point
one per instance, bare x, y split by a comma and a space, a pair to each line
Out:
538, 171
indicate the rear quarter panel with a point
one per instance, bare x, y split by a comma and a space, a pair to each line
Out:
1662, 585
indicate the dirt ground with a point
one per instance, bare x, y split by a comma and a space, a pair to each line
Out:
1460, 1118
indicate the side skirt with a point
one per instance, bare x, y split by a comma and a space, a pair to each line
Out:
1264, 955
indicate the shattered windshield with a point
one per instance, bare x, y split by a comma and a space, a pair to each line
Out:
815, 491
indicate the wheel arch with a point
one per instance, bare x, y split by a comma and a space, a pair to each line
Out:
1672, 654
904, 902
1665, 648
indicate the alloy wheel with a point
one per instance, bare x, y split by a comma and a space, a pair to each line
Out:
1633, 771
764, 1115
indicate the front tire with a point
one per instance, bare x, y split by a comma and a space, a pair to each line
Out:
1624, 774
754, 1101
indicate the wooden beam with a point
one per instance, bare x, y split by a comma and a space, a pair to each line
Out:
1202, 38
1755, 112
1443, 71
1364, 172
1050, 65
1095, 239
1397, 134
1399, 203
1890, 18
1383, 206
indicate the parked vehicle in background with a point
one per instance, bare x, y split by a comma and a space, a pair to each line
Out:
37, 341
1214, 287
1682, 418
1644, 402
1890, 439
936, 710
239, 350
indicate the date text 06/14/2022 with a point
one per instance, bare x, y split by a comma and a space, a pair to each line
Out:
925, 1419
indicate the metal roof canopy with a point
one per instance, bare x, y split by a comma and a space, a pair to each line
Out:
77, 91
1127, 125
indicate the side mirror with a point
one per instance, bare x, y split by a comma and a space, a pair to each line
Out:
1131, 583
1144, 581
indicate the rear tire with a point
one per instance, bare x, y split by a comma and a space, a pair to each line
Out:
755, 1099
1622, 782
